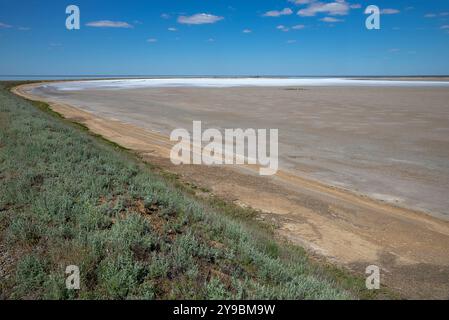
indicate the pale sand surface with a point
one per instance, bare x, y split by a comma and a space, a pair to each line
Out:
390, 142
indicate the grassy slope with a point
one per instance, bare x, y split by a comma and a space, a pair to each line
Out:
67, 197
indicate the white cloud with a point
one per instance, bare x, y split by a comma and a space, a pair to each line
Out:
446, 26
247, 31
291, 41
275, 13
298, 27
299, 2
211, 40
434, 15
389, 11
172, 29
199, 18
4, 25
331, 19
152, 40
165, 16
336, 8
283, 28
108, 24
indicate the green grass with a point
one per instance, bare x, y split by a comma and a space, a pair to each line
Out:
70, 198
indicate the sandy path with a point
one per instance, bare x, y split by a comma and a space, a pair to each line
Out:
411, 248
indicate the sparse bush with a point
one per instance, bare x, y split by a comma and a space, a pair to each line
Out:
24, 229
215, 290
158, 267
31, 274
119, 276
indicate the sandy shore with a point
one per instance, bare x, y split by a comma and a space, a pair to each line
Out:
412, 248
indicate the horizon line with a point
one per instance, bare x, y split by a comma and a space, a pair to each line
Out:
219, 75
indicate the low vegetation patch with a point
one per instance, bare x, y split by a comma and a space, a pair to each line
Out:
69, 198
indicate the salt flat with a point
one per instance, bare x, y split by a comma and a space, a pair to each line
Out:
388, 142
220, 82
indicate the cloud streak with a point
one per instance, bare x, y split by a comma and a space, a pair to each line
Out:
331, 20
299, 2
298, 27
283, 28
389, 11
336, 8
109, 24
275, 13
434, 15
199, 18
4, 25
355, 6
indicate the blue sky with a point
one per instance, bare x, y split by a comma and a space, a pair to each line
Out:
211, 37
